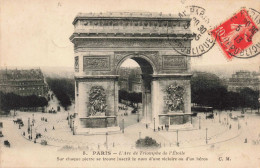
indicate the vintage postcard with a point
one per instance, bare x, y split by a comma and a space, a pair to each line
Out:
140, 83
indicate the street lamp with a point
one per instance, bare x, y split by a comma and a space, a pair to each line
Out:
177, 138
227, 118
138, 115
154, 124
106, 139
70, 122
206, 135
123, 129
68, 118
73, 129
31, 131
28, 125
199, 122
258, 102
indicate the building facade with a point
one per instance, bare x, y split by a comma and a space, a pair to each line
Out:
130, 79
23, 82
242, 79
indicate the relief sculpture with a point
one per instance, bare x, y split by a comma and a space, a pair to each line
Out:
174, 62
97, 101
174, 99
96, 63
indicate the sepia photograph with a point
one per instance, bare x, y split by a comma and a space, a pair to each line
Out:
141, 83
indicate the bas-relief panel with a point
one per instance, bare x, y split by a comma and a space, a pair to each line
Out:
174, 99
96, 63
174, 62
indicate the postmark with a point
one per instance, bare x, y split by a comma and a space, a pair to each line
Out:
235, 35
199, 25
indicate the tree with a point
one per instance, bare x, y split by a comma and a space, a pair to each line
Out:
249, 98
64, 90
208, 90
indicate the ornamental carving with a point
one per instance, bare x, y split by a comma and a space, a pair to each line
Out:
127, 43
98, 63
174, 99
97, 101
174, 62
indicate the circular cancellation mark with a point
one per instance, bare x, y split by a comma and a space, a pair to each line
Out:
254, 49
199, 25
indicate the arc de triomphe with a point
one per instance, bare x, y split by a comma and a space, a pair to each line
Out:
102, 42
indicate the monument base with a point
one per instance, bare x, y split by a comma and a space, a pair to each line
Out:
97, 125
97, 131
175, 119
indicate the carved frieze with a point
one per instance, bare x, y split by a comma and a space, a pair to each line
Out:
127, 43
174, 99
174, 62
96, 63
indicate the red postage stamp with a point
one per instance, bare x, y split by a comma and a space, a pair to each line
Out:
235, 34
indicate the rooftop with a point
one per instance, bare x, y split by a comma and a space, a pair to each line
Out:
15, 74
129, 15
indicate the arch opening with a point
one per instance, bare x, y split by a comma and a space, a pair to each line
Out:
135, 82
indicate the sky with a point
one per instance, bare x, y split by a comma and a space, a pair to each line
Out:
36, 33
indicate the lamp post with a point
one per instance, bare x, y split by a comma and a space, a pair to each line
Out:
73, 129
123, 129
177, 143
206, 135
154, 124
70, 122
68, 118
106, 139
238, 125
28, 125
199, 122
227, 118
258, 102
31, 131
138, 115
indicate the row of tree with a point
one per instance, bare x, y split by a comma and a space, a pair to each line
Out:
64, 90
209, 90
132, 98
9, 101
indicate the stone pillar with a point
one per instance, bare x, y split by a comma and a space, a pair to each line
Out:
156, 102
105, 86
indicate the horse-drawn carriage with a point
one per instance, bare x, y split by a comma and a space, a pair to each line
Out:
7, 143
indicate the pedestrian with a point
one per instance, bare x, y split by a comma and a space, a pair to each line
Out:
45, 130
245, 140
23, 133
146, 126
230, 126
53, 128
158, 128
162, 127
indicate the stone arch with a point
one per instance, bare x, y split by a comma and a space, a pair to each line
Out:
146, 64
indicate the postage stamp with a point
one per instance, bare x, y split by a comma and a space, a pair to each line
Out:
199, 26
235, 35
